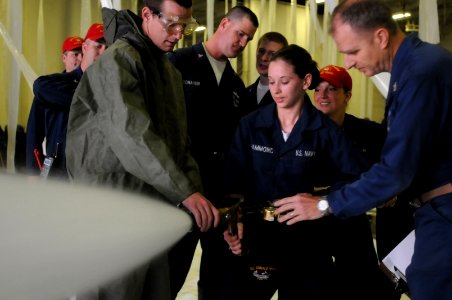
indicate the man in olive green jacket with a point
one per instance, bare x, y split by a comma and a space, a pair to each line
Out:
127, 123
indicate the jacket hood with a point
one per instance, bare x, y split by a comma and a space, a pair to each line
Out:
118, 23
126, 25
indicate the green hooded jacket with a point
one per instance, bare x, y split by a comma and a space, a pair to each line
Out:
127, 123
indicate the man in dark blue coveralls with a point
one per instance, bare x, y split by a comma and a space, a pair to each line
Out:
72, 53
50, 109
259, 92
213, 94
417, 154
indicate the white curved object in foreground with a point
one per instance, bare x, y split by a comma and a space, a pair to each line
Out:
58, 239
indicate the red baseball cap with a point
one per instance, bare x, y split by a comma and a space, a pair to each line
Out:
71, 43
95, 32
336, 76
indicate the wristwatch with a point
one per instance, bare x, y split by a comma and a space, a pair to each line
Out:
323, 206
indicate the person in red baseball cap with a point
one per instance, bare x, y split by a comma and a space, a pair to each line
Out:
50, 108
95, 32
72, 52
333, 93
94, 44
352, 243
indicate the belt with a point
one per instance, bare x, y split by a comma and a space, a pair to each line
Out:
439, 191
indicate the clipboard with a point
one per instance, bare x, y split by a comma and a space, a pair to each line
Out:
394, 265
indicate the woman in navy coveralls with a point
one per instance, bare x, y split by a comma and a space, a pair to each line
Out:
277, 152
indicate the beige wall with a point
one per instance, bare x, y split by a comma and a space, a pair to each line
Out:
4, 67
274, 20
61, 18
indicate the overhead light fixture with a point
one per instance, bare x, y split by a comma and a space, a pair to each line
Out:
200, 28
401, 15
319, 1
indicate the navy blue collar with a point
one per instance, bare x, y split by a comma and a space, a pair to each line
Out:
77, 72
402, 56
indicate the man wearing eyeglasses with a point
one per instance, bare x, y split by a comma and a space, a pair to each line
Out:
214, 94
258, 92
128, 130
72, 53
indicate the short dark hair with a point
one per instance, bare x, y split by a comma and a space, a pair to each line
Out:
301, 60
365, 15
273, 36
240, 11
157, 4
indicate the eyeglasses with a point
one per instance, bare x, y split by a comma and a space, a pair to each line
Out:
176, 24
262, 51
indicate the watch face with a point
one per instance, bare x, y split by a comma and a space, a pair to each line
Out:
323, 205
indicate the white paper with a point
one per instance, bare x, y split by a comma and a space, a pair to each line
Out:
400, 257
